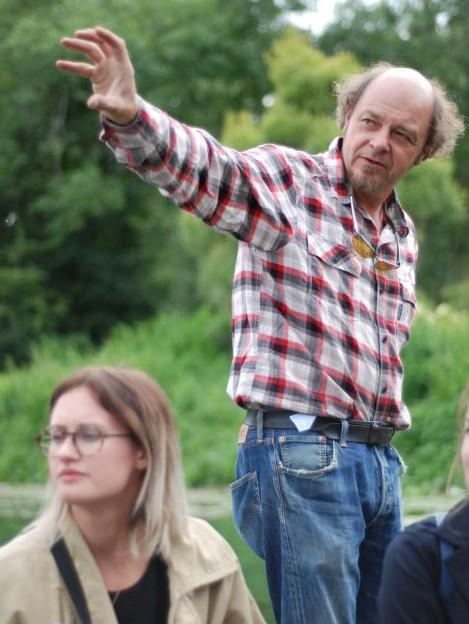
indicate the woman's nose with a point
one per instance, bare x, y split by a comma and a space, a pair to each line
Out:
67, 448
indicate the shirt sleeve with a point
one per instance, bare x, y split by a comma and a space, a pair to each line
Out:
409, 592
251, 195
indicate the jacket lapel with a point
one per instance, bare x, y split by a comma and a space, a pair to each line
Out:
95, 592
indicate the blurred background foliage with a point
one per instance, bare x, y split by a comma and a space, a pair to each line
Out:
189, 355
95, 266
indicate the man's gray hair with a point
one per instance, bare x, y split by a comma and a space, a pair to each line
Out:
446, 125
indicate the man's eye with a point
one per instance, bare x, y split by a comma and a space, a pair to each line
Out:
404, 137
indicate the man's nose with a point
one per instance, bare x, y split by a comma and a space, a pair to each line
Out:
380, 140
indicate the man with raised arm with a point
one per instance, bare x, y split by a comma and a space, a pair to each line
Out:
323, 299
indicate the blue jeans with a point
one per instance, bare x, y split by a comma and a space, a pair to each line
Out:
320, 515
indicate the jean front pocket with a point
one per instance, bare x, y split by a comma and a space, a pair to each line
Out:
247, 512
306, 455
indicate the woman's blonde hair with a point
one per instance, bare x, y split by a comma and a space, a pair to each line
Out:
138, 403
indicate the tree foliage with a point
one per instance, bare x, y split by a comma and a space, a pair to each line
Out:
91, 244
189, 355
300, 109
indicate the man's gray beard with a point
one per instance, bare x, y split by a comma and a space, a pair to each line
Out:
362, 184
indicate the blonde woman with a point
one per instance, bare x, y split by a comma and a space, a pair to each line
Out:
115, 543
426, 568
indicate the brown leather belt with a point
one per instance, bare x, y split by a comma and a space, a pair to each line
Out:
366, 432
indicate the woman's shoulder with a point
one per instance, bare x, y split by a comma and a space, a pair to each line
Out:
206, 548
27, 575
411, 573
426, 533
27, 545
455, 526
424, 529
203, 533
416, 545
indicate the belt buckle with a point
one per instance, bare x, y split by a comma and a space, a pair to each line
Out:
373, 431
376, 428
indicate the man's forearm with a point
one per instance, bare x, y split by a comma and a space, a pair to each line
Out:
225, 188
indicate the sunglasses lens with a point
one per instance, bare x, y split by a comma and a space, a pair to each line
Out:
362, 248
384, 266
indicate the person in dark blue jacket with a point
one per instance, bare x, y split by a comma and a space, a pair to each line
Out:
426, 567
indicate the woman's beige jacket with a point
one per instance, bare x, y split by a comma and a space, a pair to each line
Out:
205, 581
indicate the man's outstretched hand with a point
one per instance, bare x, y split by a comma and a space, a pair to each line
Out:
110, 71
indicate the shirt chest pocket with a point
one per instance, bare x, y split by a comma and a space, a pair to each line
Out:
405, 312
333, 277
407, 305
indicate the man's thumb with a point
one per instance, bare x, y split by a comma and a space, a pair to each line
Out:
96, 102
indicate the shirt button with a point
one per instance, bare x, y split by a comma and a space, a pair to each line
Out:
384, 389
381, 289
384, 339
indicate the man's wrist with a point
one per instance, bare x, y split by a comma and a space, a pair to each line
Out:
125, 120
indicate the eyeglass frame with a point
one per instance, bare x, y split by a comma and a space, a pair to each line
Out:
357, 234
40, 437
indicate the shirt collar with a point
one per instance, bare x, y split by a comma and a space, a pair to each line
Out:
334, 172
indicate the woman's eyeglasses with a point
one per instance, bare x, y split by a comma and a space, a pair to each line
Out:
365, 249
87, 440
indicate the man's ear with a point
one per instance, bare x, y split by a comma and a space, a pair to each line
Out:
424, 154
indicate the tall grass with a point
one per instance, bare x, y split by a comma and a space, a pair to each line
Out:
188, 355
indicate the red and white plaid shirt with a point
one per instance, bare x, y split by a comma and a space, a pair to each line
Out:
316, 329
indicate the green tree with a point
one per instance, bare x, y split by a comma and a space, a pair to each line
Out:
437, 205
300, 109
92, 245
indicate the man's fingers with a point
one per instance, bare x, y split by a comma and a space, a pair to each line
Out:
111, 38
88, 34
91, 35
90, 49
82, 69
102, 36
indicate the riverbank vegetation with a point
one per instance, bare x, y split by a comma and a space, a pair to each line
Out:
190, 356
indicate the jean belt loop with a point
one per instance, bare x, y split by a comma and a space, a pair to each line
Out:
260, 425
343, 432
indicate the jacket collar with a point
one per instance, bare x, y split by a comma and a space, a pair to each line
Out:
96, 594
455, 527
201, 558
